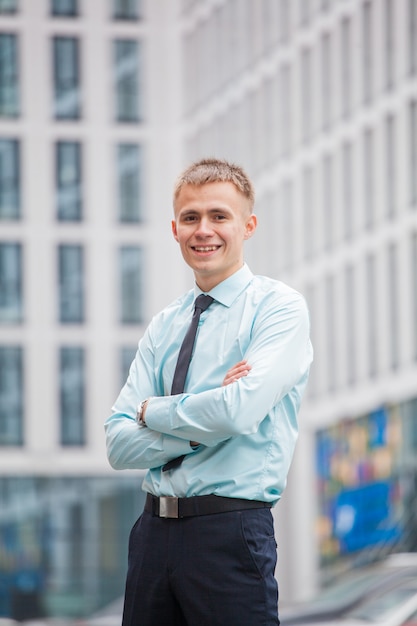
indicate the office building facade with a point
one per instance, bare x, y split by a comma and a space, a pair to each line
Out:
319, 100
81, 245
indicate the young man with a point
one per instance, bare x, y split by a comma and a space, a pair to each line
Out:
217, 447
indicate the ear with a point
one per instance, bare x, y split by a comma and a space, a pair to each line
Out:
174, 229
250, 226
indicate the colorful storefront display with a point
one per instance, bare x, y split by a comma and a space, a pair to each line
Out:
366, 472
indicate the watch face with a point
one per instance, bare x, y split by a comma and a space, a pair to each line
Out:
139, 413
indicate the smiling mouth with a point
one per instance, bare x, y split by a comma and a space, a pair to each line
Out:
205, 248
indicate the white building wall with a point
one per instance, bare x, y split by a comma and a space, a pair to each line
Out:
99, 232
301, 85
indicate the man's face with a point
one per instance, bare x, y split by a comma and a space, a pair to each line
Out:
211, 223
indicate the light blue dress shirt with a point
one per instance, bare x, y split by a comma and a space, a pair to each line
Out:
247, 430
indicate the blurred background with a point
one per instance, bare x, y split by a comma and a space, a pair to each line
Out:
102, 103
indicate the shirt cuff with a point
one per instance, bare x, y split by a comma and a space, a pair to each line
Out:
158, 412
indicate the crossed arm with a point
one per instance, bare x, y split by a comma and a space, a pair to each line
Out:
157, 447
237, 371
279, 355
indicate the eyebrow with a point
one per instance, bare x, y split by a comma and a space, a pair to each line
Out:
186, 212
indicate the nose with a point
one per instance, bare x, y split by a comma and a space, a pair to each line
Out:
204, 228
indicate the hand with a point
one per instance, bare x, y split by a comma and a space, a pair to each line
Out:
237, 371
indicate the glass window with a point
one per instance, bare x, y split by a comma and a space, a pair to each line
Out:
331, 348
126, 56
270, 19
389, 44
127, 354
129, 167
306, 94
8, 6
326, 80
9, 76
11, 296
391, 170
287, 212
130, 264
9, 179
71, 283
371, 315
346, 67
72, 395
68, 181
368, 178
367, 42
64, 7
328, 206
284, 20
393, 331
305, 11
308, 213
286, 109
63, 531
67, 95
413, 152
350, 324
347, 187
11, 396
414, 288
412, 36
126, 9
269, 115
190, 71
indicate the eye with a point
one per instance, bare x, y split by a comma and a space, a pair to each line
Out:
189, 218
219, 217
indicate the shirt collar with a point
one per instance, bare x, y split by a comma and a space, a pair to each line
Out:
228, 290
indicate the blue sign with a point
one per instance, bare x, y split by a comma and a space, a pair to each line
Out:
361, 517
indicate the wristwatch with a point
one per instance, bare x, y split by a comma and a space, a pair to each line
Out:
139, 413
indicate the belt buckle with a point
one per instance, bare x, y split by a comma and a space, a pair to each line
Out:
168, 506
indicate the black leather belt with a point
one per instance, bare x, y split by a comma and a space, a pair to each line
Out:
172, 507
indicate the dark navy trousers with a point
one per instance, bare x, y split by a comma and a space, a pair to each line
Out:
209, 570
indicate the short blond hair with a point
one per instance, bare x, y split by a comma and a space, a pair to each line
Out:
216, 171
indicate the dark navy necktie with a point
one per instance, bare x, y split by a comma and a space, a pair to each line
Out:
202, 302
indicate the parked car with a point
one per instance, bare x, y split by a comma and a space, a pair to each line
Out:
353, 588
395, 607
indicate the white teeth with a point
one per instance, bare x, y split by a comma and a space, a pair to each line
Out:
205, 248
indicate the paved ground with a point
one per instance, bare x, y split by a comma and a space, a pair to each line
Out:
104, 620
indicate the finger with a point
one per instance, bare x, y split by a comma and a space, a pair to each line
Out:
242, 371
234, 376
